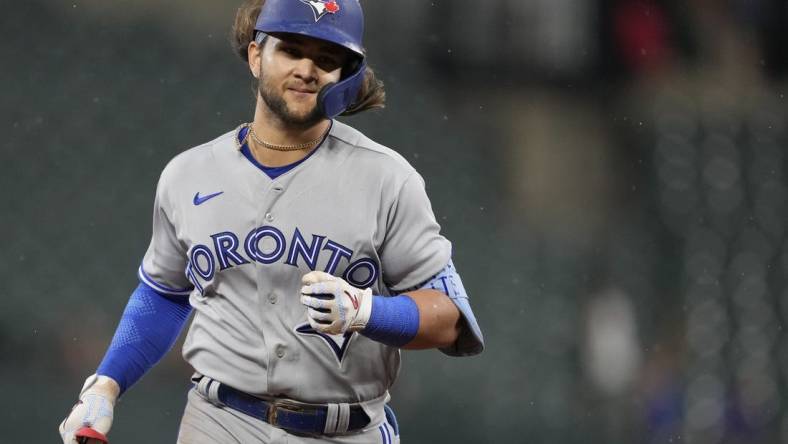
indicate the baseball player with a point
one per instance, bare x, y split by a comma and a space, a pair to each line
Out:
308, 253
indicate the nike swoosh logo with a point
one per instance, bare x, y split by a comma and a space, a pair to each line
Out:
201, 200
353, 299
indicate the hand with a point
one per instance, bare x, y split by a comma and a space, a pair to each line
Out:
333, 305
94, 410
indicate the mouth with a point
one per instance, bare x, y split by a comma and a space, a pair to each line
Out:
302, 90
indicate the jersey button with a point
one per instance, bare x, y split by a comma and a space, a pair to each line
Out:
272, 297
269, 217
280, 351
278, 188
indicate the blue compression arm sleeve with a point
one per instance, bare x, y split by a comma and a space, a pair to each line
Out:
394, 320
148, 329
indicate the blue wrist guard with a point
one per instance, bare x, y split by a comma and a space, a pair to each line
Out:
394, 320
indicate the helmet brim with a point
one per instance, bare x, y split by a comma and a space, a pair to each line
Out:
337, 37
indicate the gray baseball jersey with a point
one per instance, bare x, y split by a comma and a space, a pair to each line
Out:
239, 242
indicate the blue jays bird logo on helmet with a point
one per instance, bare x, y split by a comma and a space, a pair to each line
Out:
322, 7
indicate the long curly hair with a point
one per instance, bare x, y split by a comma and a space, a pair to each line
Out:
372, 94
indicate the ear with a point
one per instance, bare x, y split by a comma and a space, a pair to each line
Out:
254, 53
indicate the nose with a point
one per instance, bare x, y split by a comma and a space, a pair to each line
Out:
306, 70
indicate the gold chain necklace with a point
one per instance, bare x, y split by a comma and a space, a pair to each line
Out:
273, 146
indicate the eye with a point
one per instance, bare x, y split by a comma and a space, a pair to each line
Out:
328, 63
291, 51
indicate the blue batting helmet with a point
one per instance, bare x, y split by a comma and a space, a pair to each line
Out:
337, 21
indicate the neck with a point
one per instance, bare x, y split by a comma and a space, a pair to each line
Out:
272, 129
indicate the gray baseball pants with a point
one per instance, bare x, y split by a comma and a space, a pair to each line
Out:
206, 423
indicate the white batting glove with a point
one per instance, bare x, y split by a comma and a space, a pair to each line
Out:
333, 305
93, 410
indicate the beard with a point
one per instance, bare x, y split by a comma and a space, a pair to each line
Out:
278, 106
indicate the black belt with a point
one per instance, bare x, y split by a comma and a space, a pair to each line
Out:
293, 416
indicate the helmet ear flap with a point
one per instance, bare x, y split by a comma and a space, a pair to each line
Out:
334, 98
321, 97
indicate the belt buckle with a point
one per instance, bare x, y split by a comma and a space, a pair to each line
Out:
283, 404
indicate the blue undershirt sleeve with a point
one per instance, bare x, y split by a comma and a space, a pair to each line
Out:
149, 327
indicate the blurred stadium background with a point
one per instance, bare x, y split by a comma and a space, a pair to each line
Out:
612, 174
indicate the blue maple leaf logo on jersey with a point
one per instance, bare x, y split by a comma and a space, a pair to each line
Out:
322, 7
337, 343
